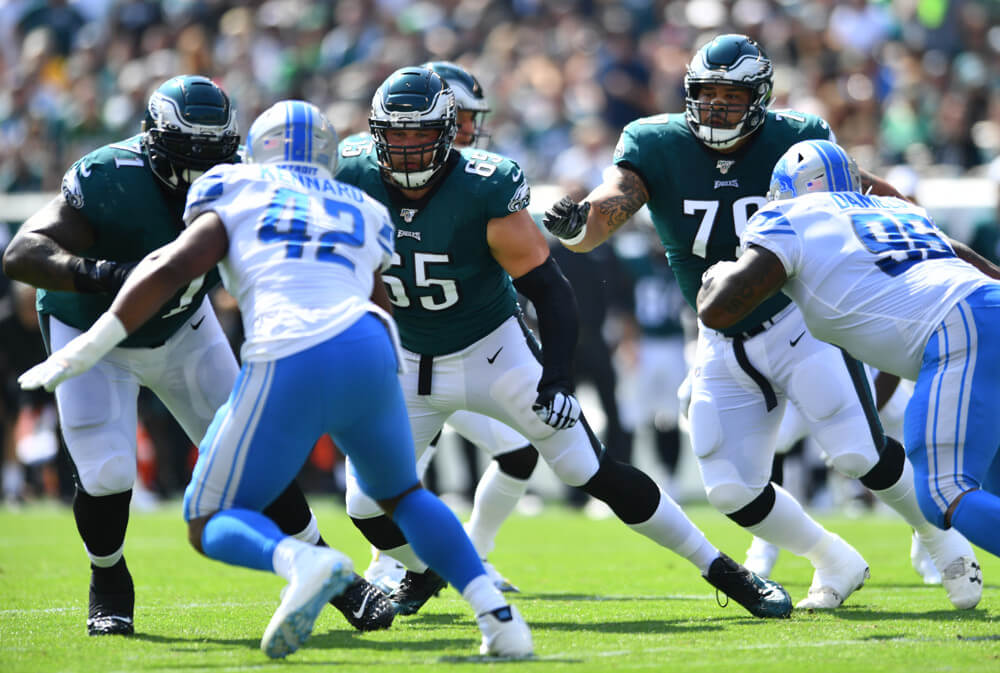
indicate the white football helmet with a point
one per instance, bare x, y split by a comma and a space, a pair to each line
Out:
292, 131
813, 166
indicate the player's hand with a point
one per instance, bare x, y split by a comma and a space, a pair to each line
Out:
567, 219
101, 275
118, 274
557, 407
50, 373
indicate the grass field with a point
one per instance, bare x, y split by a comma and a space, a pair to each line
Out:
598, 598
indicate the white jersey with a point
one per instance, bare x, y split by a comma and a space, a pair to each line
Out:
872, 275
303, 250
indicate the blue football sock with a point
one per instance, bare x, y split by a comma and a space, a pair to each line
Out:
977, 517
438, 538
241, 537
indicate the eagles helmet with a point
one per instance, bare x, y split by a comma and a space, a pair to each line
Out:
189, 126
292, 131
813, 166
733, 60
468, 97
413, 98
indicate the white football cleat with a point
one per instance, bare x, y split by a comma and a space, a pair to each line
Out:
761, 557
384, 571
922, 562
499, 581
505, 634
832, 585
317, 575
955, 559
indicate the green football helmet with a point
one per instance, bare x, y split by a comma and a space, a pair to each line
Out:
189, 126
469, 96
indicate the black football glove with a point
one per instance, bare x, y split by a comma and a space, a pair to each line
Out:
101, 275
566, 219
557, 407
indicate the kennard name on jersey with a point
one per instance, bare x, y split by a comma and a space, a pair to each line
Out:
116, 190
700, 199
442, 261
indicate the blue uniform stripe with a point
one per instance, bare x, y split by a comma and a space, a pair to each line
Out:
833, 184
300, 125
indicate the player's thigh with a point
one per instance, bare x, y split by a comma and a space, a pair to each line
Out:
97, 415
489, 434
732, 430
196, 373
833, 392
952, 430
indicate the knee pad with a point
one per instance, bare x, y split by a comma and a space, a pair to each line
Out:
359, 505
852, 464
756, 510
890, 467
729, 497
572, 454
810, 388
104, 466
706, 436
630, 493
519, 463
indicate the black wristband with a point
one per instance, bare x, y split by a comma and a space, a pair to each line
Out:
93, 276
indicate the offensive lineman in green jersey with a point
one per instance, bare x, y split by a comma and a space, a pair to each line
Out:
505, 480
702, 174
119, 203
464, 241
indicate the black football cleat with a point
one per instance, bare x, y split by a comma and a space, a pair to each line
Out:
111, 611
415, 589
761, 597
364, 606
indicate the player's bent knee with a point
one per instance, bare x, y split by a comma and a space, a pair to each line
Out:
817, 401
730, 497
929, 507
196, 527
519, 463
852, 464
360, 506
756, 510
705, 435
114, 474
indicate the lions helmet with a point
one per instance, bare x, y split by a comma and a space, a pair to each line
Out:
189, 126
413, 99
733, 60
469, 97
292, 131
813, 166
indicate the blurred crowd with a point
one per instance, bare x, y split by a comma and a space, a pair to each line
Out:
913, 82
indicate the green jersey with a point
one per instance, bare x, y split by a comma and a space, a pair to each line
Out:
115, 189
447, 289
700, 199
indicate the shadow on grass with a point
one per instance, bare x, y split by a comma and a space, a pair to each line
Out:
597, 598
860, 613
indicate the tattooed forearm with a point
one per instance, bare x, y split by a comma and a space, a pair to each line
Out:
617, 209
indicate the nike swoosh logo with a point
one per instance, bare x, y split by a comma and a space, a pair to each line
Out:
196, 325
490, 360
516, 175
794, 341
360, 611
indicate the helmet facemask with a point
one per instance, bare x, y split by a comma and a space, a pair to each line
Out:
190, 126
413, 99
728, 60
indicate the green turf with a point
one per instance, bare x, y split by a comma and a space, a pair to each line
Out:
598, 598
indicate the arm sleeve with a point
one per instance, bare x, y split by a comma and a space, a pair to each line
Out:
558, 320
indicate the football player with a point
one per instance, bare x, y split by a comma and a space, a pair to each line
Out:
117, 204
701, 175
877, 278
302, 255
464, 242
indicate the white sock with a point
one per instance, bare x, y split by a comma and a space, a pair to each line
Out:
902, 497
309, 534
483, 596
496, 497
405, 555
670, 527
788, 526
106, 561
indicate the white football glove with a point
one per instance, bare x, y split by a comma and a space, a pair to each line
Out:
77, 356
557, 407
